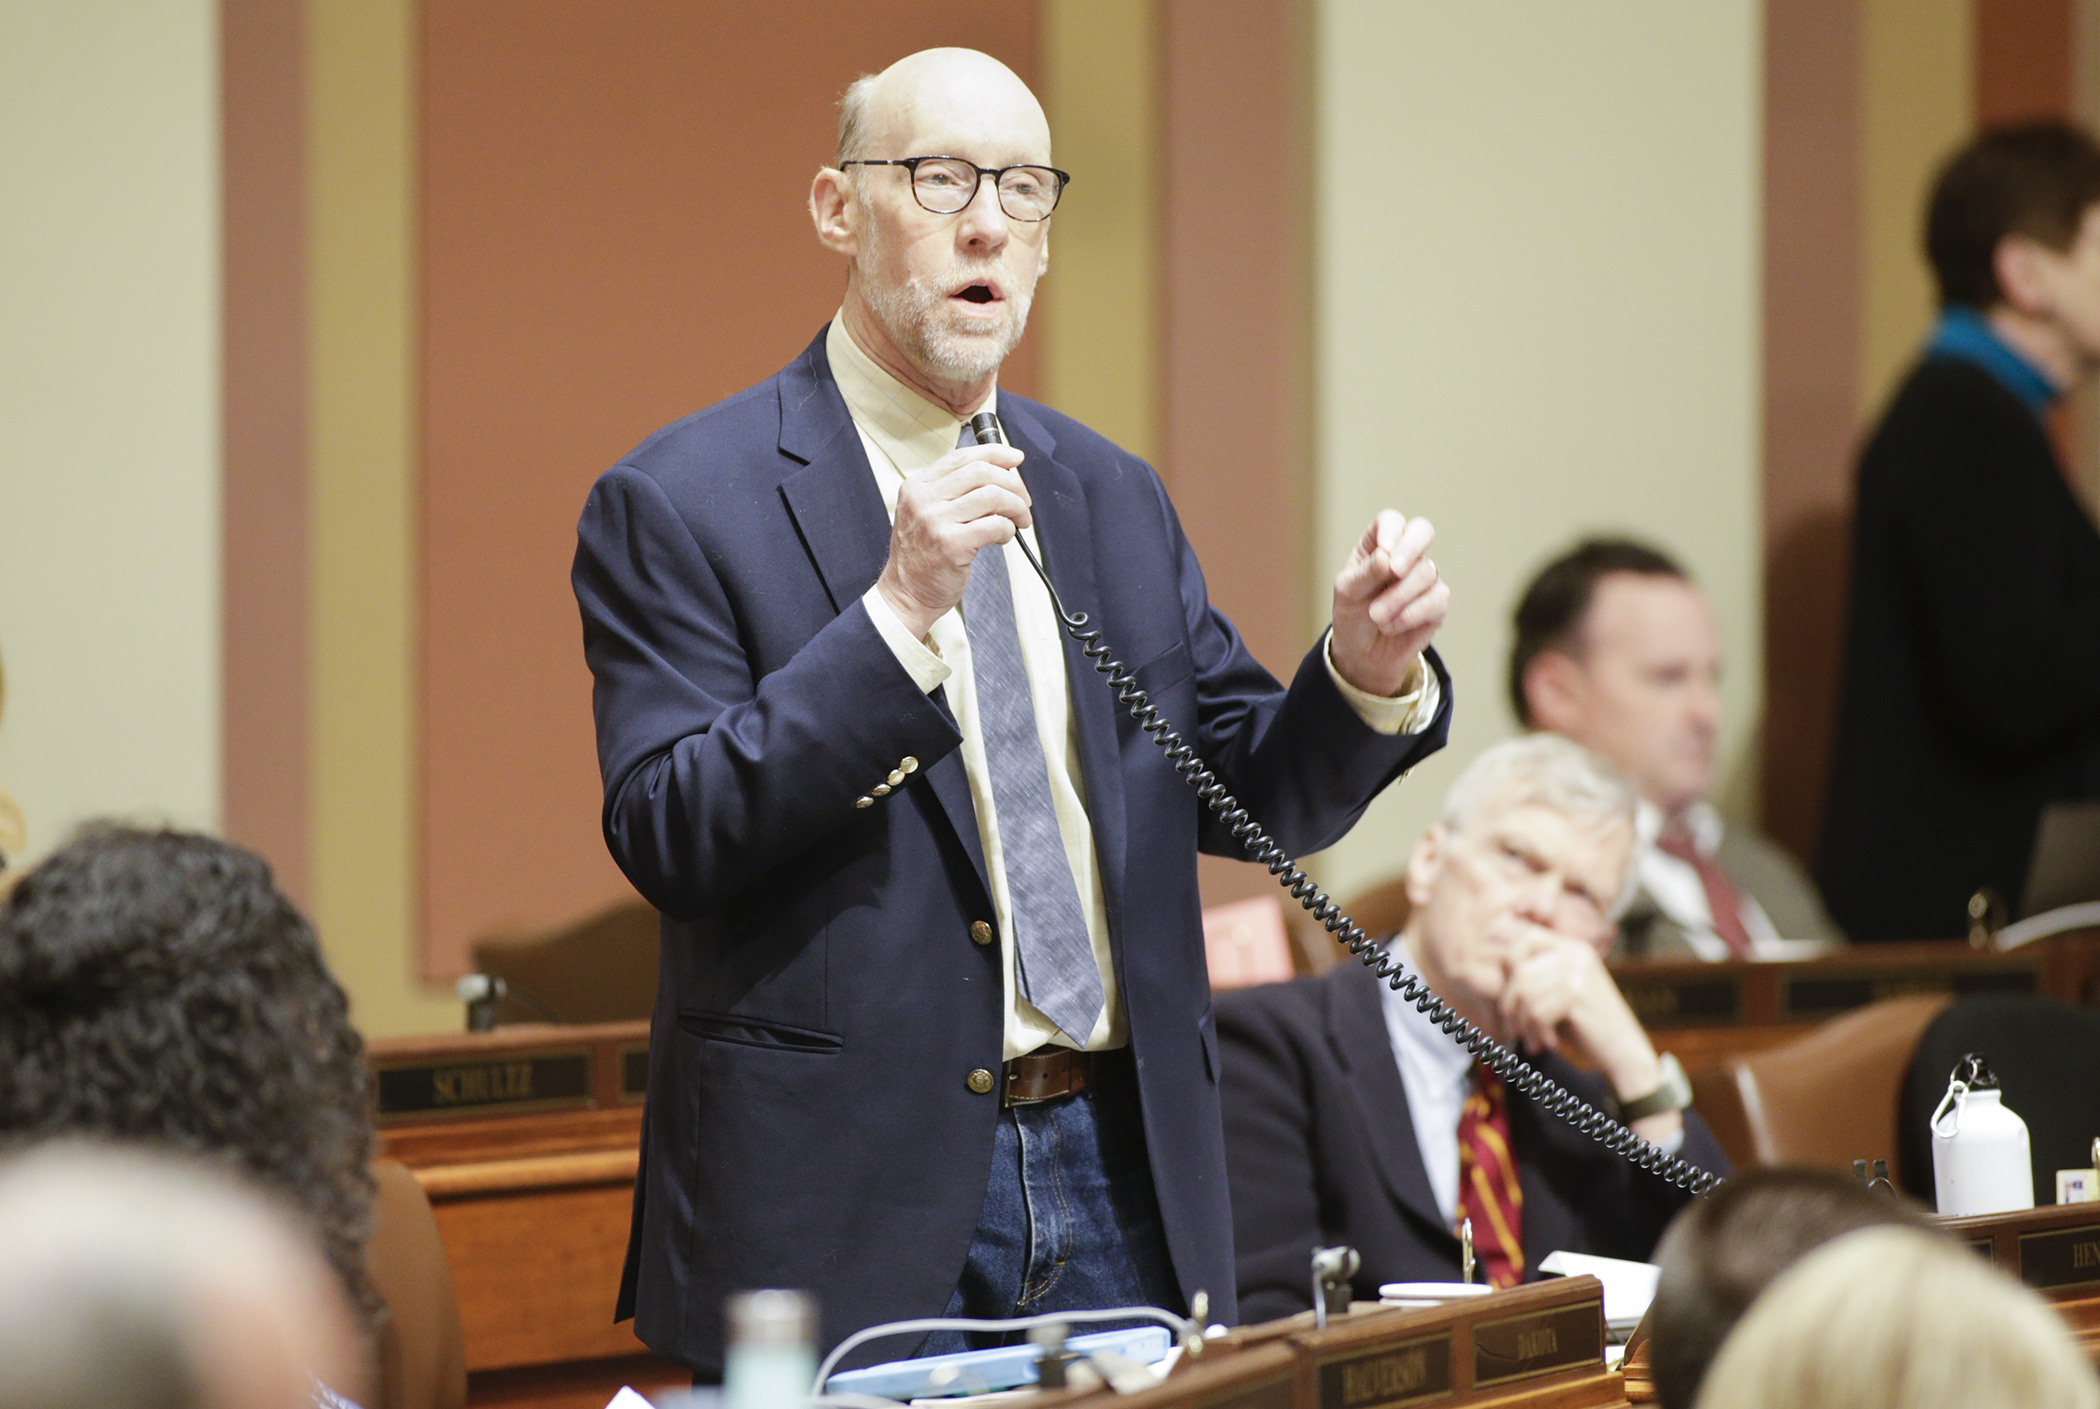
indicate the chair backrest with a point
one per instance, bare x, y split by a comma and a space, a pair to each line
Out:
598, 969
422, 1356
1246, 943
2044, 1054
1827, 1098
1383, 909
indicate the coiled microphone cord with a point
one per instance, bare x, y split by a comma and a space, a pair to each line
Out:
1263, 851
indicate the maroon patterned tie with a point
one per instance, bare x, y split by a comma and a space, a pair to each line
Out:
1722, 898
1488, 1191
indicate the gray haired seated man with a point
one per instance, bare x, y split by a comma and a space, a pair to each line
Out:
1349, 1118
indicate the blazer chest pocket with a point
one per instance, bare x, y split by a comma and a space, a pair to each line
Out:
1165, 670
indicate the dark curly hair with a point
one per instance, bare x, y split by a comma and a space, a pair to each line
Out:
156, 985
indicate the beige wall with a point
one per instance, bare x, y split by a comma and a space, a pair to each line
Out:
1098, 329
1916, 105
362, 338
1538, 316
109, 435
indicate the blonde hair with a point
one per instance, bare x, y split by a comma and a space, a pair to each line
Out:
1899, 1318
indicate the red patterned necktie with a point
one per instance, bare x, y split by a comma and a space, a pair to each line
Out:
1488, 1191
1722, 898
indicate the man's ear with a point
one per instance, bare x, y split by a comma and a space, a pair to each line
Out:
834, 212
1424, 862
1553, 689
2020, 263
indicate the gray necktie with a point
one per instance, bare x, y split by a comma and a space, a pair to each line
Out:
1058, 974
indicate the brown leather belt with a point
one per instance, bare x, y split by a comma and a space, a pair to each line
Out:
1050, 1072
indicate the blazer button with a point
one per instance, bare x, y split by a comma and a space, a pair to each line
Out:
896, 778
980, 932
864, 801
880, 790
981, 1081
908, 764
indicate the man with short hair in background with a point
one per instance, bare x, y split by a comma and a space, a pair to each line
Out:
1616, 648
1350, 1117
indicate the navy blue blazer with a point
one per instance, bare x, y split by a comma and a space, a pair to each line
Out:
821, 1005
1322, 1151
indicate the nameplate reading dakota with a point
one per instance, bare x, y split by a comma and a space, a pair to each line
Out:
428, 1089
1523, 1346
2066, 1257
1409, 1372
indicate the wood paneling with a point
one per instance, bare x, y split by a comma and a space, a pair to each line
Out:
1810, 364
614, 235
2024, 54
1236, 447
263, 703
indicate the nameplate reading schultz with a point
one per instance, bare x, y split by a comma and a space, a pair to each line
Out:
1520, 1347
1408, 1372
483, 1085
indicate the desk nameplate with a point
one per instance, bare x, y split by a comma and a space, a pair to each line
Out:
634, 1073
1683, 1002
1810, 997
1415, 1371
1523, 1347
510, 1083
2061, 1258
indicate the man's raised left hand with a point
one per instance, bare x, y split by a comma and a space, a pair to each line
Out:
1388, 602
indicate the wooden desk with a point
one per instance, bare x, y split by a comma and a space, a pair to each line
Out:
1706, 1012
526, 1140
1534, 1347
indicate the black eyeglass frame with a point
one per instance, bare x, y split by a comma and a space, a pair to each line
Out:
911, 166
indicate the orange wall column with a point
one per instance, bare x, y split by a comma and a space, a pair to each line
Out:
1811, 361
1236, 327
263, 323
614, 235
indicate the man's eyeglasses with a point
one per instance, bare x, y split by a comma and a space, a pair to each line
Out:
945, 185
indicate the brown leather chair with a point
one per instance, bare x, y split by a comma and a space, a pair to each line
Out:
598, 969
422, 1359
1825, 1099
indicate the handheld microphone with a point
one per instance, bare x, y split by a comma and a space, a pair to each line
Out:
985, 426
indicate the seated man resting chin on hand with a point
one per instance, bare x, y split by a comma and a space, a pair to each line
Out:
1349, 1118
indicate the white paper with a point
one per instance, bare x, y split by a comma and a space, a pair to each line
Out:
1628, 1286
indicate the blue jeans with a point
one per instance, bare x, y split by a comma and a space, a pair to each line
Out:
1070, 1221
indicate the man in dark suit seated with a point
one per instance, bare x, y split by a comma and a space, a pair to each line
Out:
1349, 1118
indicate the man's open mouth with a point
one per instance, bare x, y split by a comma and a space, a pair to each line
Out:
977, 293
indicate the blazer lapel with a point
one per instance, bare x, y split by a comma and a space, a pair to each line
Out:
1064, 532
838, 511
1357, 1031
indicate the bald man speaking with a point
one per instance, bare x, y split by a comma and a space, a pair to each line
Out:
933, 1032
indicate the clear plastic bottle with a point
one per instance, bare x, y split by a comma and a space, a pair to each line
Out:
771, 1355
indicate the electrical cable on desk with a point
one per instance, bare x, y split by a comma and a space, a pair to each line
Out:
1183, 1327
1263, 851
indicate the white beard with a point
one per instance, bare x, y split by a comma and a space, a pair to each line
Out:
919, 322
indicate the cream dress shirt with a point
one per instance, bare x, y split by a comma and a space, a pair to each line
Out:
903, 433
